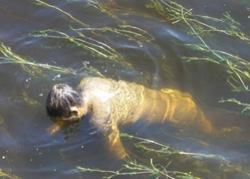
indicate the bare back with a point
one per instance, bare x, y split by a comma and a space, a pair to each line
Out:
120, 101
117, 103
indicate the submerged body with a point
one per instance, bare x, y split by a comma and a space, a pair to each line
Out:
115, 103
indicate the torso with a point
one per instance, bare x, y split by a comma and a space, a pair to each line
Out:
117, 101
123, 102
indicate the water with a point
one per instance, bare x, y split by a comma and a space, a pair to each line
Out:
153, 59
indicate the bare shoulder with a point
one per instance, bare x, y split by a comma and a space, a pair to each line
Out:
96, 82
104, 81
109, 85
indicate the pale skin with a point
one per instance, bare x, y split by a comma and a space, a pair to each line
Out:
113, 104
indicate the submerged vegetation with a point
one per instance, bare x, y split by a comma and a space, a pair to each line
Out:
170, 159
132, 168
97, 43
7, 175
9, 57
200, 27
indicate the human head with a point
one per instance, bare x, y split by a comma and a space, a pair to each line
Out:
63, 103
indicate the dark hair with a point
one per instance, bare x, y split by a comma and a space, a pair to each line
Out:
60, 99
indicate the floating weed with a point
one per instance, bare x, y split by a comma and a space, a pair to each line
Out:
91, 42
245, 106
7, 175
199, 25
138, 32
42, 3
95, 47
166, 158
131, 32
98, 48
156, 147
132, 168
102, 8
11, 58
151, 167
176, 13
237, 68
109, 50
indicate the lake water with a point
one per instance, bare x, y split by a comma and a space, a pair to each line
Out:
144, 41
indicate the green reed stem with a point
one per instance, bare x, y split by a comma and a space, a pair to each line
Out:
245, 106
95, 47
78, 41
7, 175
42, 3
12, 58
132, 168
98, 44
101, 7
164, 149
238, 68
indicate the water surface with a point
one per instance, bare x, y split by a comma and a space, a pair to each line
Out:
139, 44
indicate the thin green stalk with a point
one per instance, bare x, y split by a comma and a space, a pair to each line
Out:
246, 106
132, 168
79, 42
39, 2
164, 148
7, 175
95, 47
12, 58
45, 66
98, 44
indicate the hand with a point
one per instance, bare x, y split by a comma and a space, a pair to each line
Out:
55, 127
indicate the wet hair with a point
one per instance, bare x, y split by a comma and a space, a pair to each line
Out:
60, 99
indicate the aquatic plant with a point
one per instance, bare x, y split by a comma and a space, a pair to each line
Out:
159, 160
245, 106
132, 168
93, 39
132, 33
162, 148
96, 48
7, 175
42, 3
198, 26
102, 8
9, 57
201, 26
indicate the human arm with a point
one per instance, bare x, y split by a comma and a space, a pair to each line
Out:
115, 144
109, 130
107, 110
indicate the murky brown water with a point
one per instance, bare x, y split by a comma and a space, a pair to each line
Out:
153, 58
